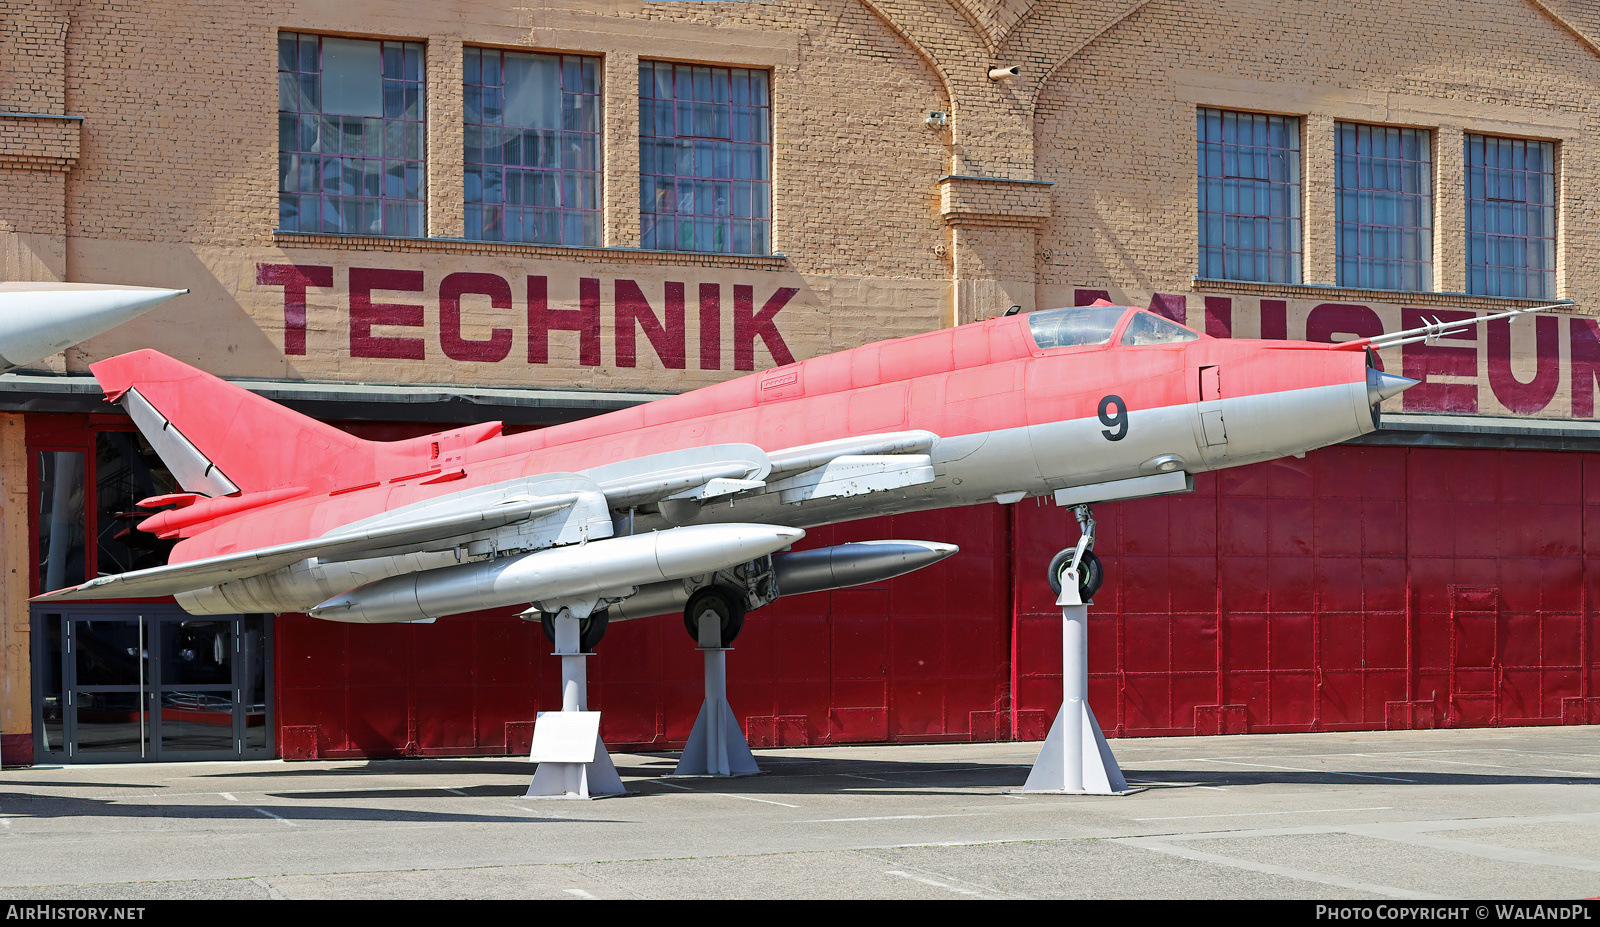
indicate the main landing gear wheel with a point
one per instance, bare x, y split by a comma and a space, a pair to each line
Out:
590, 629
728, 605
1090, 573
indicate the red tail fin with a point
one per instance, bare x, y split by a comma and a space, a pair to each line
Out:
218, 438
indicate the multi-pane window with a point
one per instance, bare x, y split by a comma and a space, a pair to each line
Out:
1511, 217
705, 155
532, 147
350, 136
1384, 207
1249, 196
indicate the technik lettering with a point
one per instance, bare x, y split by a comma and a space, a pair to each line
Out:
633, 312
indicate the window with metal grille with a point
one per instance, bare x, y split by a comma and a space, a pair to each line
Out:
532, 147
1249, 196
1511, 217
705, 155
1384, 207
350, 136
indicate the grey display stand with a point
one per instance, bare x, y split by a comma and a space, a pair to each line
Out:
572, 764
1075, 758
716, 746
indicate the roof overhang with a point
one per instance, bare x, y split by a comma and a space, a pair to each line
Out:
25, 392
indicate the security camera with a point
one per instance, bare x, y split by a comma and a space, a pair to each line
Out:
1003, 73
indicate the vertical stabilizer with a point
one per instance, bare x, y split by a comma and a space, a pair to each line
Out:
219, 439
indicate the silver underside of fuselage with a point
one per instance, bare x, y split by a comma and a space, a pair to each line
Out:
1033, 461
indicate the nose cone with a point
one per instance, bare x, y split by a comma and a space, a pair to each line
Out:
1381, 386
37, 320
335, 608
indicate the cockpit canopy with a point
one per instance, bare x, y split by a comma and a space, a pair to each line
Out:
1091, 325
1149, 328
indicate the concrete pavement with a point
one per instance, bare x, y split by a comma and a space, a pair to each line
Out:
1510, 813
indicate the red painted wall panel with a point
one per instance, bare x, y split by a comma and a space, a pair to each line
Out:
1359, 588
1335, 598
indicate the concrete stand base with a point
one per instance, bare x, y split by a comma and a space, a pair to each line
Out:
1099, 774
595, 779
716, 746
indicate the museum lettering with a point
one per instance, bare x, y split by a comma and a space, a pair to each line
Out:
1545, 367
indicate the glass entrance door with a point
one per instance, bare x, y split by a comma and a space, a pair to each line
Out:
125, 683
108, 704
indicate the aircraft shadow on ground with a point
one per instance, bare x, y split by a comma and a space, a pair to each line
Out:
395, 767
644, 777
949, 782
53, 807
59, 784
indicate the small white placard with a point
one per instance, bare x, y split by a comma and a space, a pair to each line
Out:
565, 736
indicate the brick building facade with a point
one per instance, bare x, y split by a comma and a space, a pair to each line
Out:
887, 178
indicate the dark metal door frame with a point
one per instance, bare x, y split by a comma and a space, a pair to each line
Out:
149, 686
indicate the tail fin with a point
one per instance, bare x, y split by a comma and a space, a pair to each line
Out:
219, 439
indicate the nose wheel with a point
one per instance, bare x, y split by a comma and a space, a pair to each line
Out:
1091, 573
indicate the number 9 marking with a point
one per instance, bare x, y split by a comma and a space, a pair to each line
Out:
1117, 419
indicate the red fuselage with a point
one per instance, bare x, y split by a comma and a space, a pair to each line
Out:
1010, 417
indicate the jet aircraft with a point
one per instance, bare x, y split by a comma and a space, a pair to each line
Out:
689, 502
39, 319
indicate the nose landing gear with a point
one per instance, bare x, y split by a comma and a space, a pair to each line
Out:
1091, 572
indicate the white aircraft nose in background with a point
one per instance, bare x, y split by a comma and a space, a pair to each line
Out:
39, 319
